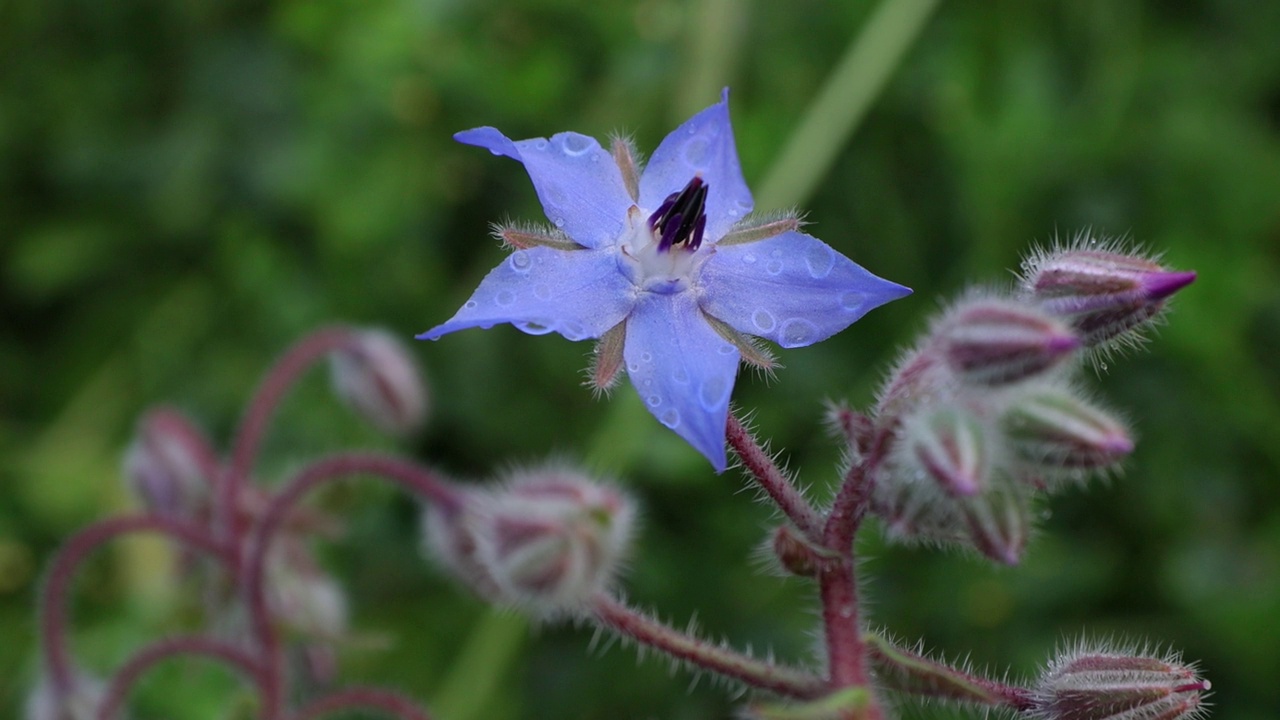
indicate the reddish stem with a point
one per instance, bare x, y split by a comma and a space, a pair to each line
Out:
353, 698
54, 605
142, 661
419, 481
773, 480
279, 379
703, 655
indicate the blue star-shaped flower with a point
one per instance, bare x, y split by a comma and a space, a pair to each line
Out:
666, 267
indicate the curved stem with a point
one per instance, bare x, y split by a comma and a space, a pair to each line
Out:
758, 674
419, 481
53, 604
142, 661
353, 698
772, 479
249, 437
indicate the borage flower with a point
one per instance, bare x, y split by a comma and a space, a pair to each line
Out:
665, 268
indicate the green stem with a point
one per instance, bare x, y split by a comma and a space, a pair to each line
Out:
843, 101
481, 666
714, 39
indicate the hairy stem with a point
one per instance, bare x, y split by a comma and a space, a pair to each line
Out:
279, 379
363, 698
776, 483
145, 659
420, 481
54, 599
909, 672
681, 646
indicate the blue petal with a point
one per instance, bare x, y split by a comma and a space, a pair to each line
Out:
683, 369
792, 289
578, 182
702, 146
579, 294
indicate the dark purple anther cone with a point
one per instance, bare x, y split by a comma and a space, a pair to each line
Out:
682, 217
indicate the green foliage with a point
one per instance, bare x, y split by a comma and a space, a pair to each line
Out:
187, 186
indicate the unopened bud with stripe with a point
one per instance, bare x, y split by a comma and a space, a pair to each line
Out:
1055, 428
999, 521
169, 463
992, 341
1104, 295
950, 444
1100, 685
377, 378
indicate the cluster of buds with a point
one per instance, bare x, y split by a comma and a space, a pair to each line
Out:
546, 541
984, 414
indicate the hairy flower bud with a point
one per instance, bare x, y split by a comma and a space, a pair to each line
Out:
547, 541
1100, 685
989, 341
950, 445
796, 554
377, 379
166, 464
1056, 429
1105, 295
999, 521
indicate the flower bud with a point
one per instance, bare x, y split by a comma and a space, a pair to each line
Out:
1087, 685
1104, 295
994, 342
999, 521
45, 703
1055, 428
949, 444
307, 601
376, 377
166, 464
794, 552
548, 541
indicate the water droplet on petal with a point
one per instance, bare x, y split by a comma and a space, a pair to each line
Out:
506, 297
534, 328
559, 222
714, 393
540, 144
852, 301
653, 401
646, 357
763, 320
680, 376
774, 267
470, 305
542, 292
572, 330
749, 259
798, 332
819, 259
633, 367
520, 261
670, 418
727, 350
574, 144
696, 152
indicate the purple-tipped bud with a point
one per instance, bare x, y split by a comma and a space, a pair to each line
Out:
999, 522
376, 377
45, 703
993, 342
167, 464
307, 601
950, 445
1056, 429
548, 541
1108, 686
1104, 295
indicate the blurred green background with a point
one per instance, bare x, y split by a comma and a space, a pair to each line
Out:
185, 187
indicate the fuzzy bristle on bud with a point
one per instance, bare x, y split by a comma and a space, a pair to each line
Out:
1099, 685
377, 378
167, 464
1055, 428
547, 541
1105, 295
991, 342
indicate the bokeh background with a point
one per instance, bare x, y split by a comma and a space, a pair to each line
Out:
185, 187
